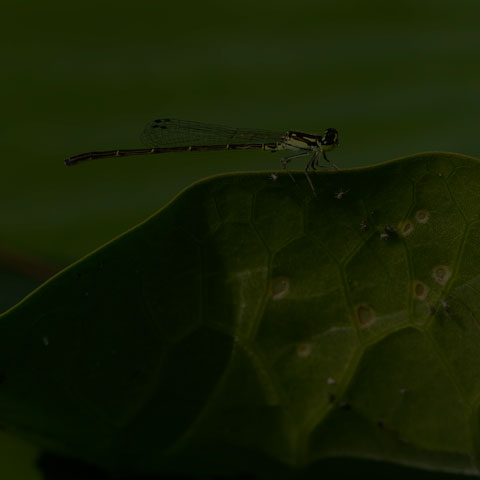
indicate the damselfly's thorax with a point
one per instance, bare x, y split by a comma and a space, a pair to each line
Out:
301, 140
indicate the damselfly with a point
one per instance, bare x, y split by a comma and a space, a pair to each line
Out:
167, 135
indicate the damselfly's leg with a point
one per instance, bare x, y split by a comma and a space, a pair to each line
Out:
327, 160
316, 164
285, 161
307, 166
315, 160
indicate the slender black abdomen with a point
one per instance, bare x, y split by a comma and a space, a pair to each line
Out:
83, 157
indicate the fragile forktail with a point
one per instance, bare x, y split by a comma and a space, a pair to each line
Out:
167, 135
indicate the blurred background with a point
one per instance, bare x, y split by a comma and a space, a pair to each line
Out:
395, 78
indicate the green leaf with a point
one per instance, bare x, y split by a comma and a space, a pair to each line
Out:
250, 324
19, 274
17, 459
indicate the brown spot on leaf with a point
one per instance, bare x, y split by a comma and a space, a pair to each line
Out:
420, 290
365, 315
304, 349
405, 228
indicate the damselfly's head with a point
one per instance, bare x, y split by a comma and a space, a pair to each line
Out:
330, 138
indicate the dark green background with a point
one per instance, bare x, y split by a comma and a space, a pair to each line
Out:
394, 78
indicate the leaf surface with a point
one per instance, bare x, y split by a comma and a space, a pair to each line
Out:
250, 323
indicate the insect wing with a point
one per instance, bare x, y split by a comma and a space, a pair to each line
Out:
169, 132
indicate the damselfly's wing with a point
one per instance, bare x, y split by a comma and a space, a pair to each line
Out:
169, 132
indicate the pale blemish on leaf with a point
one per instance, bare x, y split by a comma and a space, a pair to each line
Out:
422, 216
279, 287
441, 274
340, 194
304, 349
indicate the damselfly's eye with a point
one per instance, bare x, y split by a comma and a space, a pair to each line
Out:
330, 137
